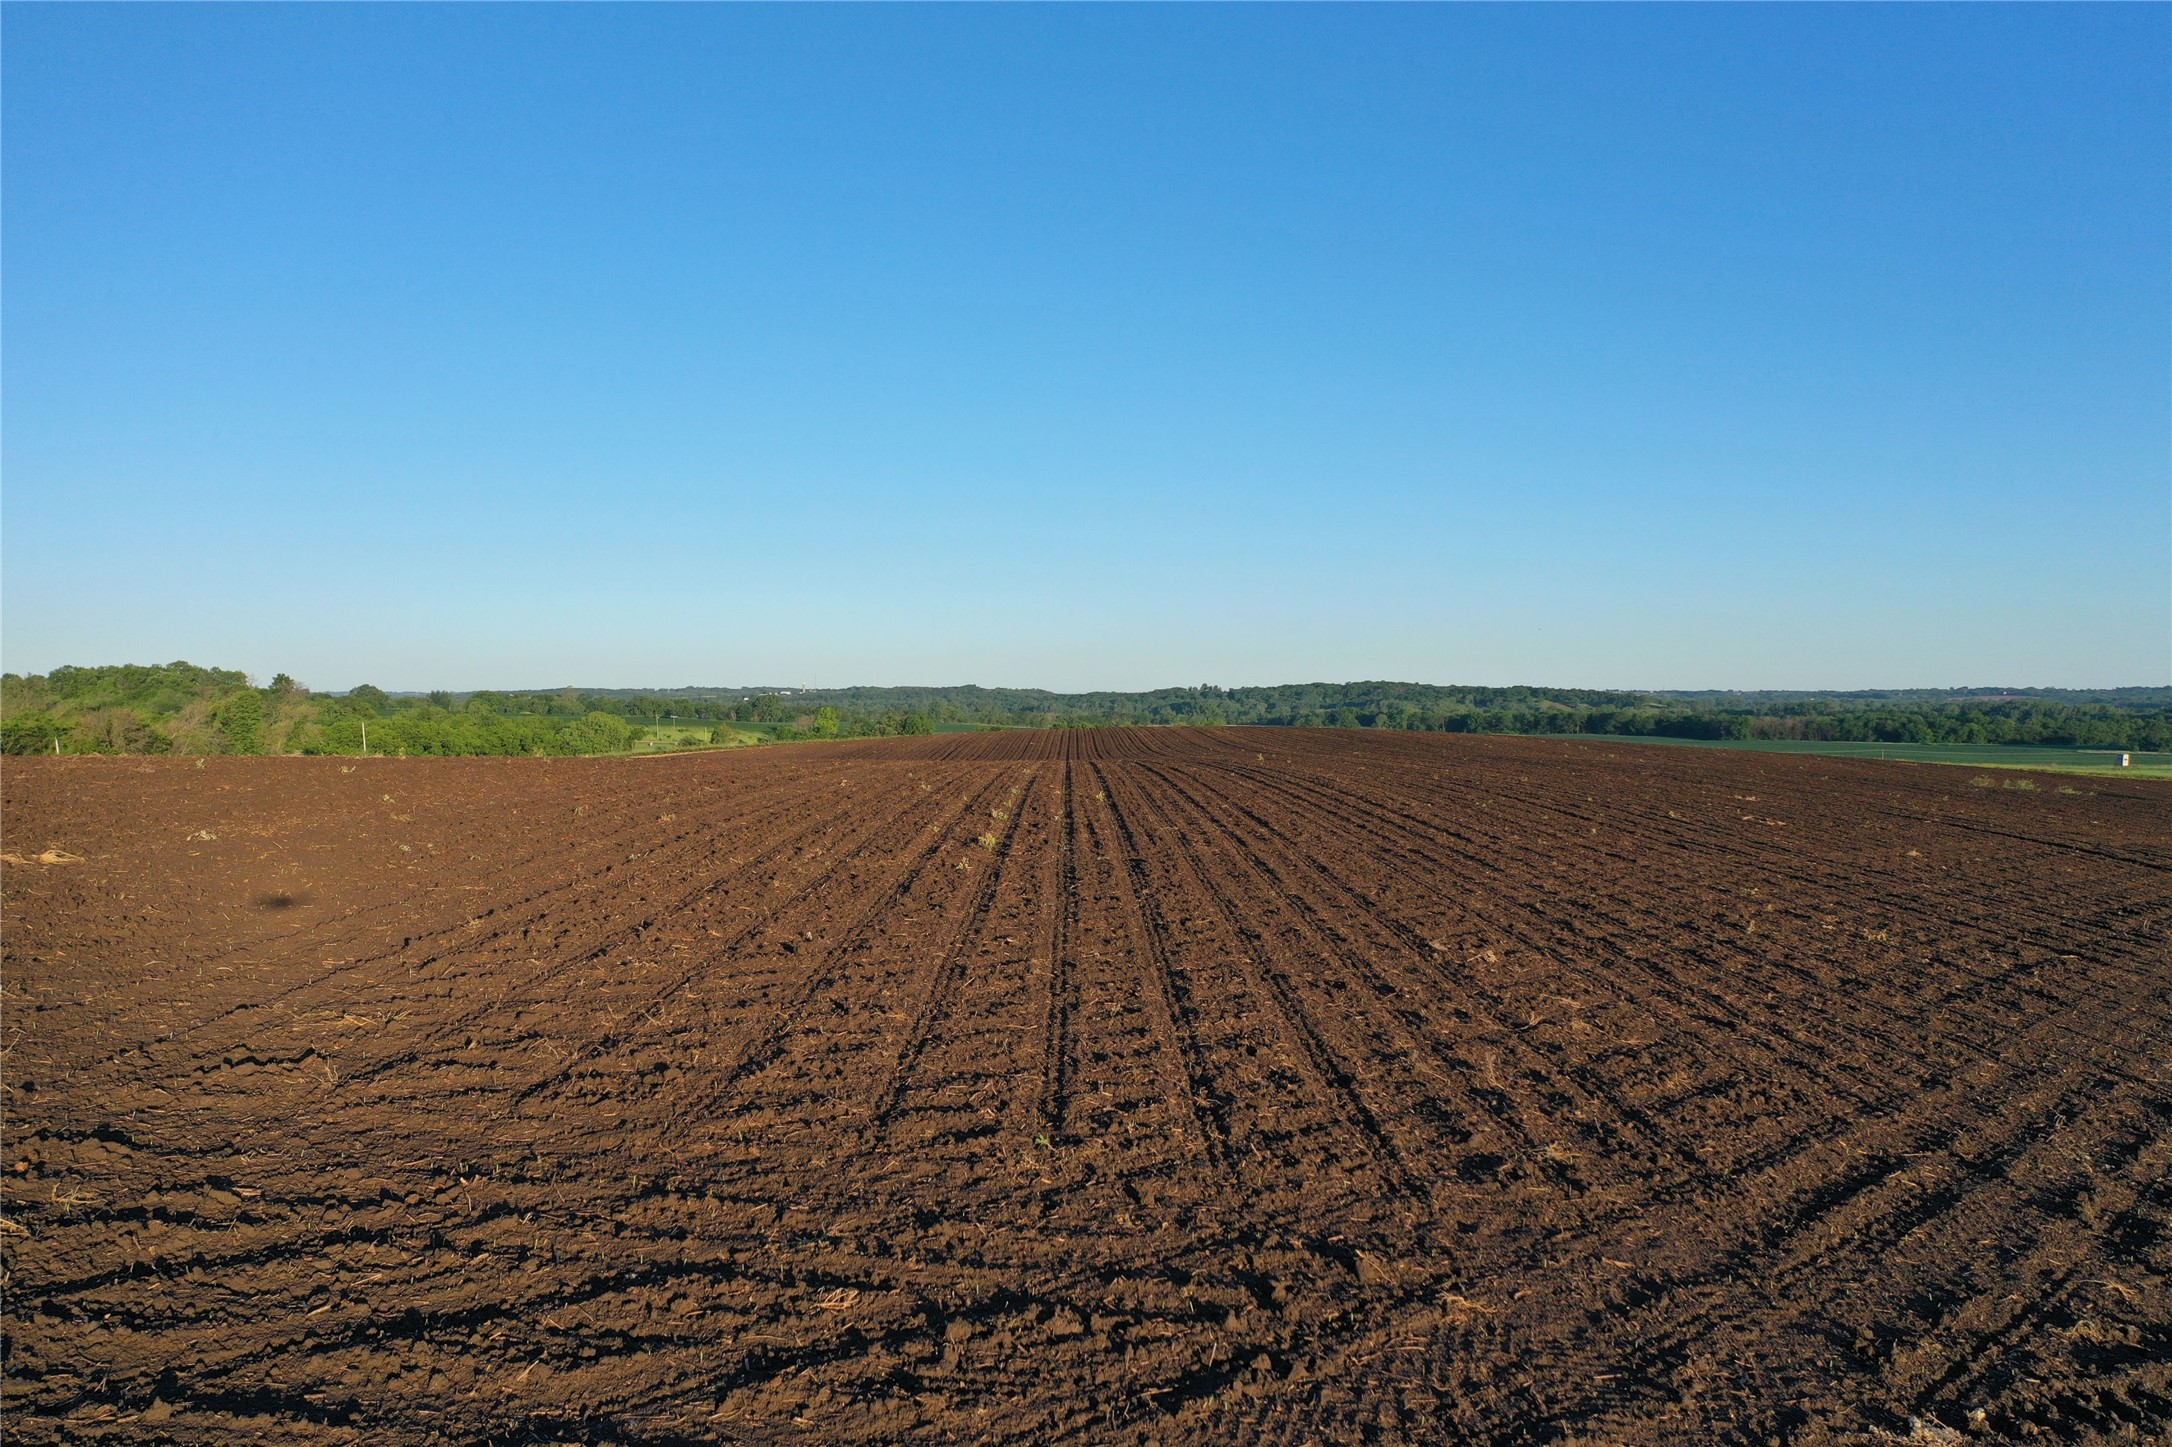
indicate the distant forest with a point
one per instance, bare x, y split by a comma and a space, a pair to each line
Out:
181, 708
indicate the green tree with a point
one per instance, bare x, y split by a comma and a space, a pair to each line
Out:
375, 699
239, 719
598, 732
117, 731
30, 733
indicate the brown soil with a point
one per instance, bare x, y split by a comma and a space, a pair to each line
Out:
1247, 1086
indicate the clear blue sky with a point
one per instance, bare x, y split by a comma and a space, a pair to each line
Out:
1678, 346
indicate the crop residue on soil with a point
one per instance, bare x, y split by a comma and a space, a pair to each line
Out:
1176, 1086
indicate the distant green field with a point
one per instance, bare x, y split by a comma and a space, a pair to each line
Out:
672, 737
676, 737
1981, 756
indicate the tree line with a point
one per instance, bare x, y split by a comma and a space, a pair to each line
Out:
180, 708
2132, 718
187, 709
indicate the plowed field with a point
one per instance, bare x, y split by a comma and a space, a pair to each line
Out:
1246, 1086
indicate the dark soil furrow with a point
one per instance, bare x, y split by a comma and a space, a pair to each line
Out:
935, 1006
766, 1041
1149, 933
1140, 1086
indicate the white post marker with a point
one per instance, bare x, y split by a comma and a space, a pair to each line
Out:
365, 738
2123, 761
